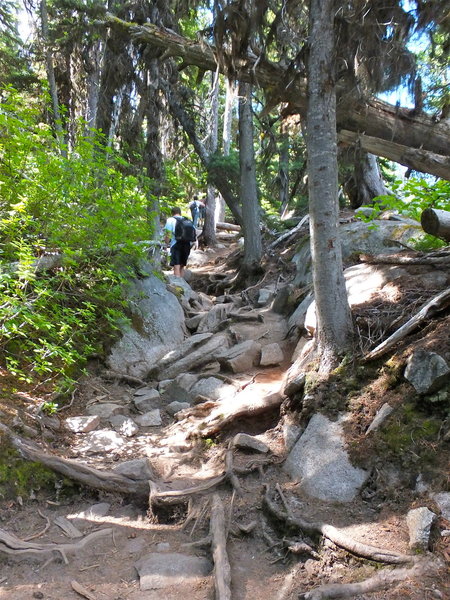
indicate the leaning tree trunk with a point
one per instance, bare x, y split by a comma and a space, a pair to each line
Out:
416, 141
248, 188
334, 324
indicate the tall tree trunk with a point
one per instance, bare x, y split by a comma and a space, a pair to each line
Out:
248, 188
334, 323
283, 167
209, 227
51, 77
230, 97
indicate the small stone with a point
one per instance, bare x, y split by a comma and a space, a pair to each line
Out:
105, 411
82, 424
271, 354
124, 425
38, 595
163, 547
419, 521
248, 442
148, 401
176, 406
149, 419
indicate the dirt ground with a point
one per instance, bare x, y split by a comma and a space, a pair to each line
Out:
261, 566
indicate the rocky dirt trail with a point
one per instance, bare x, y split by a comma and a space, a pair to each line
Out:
209, 511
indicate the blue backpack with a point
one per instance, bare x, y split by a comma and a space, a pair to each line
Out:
185, 230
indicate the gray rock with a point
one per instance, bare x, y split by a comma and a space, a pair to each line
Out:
212, 388
271, 355
148, 401
152, 306
136, 469
82, 424
203, 355
241, 357
248, 442
149, 419
297, 319
265, 296
280, 305
419, 521
103, 440
442, 499
157, 571
105, 411
426, 371
176, 406
320, 462
124, 425
177, 390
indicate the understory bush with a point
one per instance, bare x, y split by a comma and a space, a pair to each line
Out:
74, 206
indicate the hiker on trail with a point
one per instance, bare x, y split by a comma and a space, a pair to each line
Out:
196, 207
180, 231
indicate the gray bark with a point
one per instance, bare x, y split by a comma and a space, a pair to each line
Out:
366, 182
334, 323
283, 168
209, 228
248, 187
51, 77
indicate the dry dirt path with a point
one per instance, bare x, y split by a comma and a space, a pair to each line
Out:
261, 567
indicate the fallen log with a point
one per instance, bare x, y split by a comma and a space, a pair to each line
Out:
228, 226
436, 222
335, 535
218, 532
435, 304
291, 233
389, 125
433, 258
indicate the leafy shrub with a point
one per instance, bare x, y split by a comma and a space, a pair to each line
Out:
79, 208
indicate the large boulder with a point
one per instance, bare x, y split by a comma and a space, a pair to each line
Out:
377, 237
156, 325
320, 462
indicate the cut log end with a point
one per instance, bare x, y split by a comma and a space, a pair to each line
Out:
436, 222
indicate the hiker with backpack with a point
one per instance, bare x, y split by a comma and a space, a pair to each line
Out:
180, 231
197, 208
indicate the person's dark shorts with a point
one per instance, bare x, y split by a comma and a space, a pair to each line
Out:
179, 253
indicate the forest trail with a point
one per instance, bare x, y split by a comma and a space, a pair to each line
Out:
169, 545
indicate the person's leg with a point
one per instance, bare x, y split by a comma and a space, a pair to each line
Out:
178, 270
176, 258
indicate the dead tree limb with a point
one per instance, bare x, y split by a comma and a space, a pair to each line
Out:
290, 234
218, 532
335, 535
435, 304
381, 581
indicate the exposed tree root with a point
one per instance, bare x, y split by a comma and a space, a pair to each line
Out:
337, 536
218, 532
223, 415
17, 548
381, 581
124, 377
94, 478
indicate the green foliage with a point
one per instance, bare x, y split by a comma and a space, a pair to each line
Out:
86, 214
410, 198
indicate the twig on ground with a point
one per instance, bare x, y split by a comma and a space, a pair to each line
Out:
36, 535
